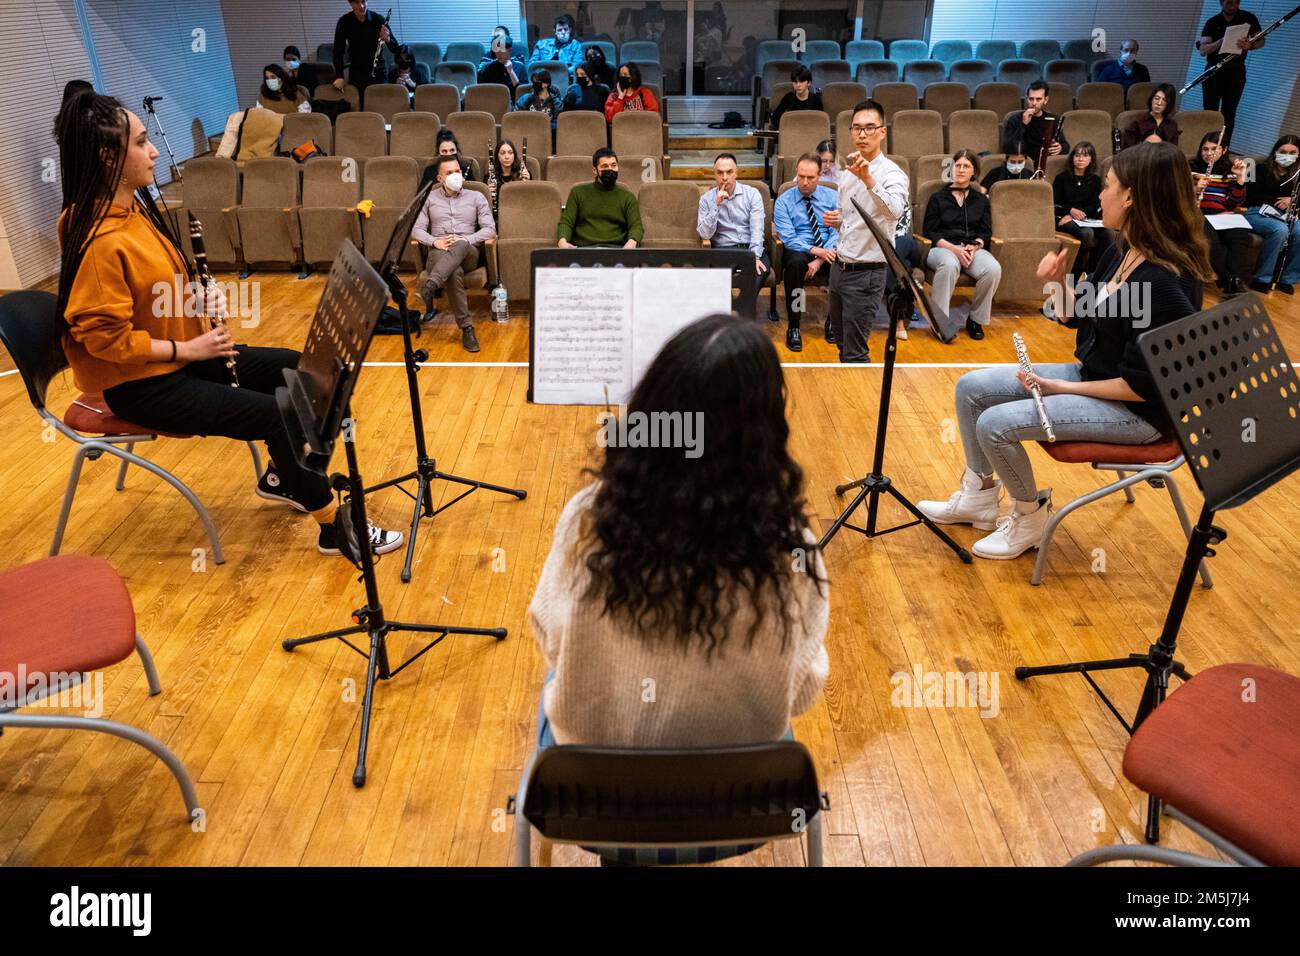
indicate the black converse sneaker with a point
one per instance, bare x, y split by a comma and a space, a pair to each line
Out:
340, 537
271, 487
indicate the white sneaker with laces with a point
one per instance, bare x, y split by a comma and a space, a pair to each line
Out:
1018, 532
971, 505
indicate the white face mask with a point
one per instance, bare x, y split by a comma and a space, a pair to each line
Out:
1015, 167
292, 64
1285, 159
454, 182
1127, 57
273, 84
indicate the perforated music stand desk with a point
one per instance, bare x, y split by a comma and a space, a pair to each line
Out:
316, 407
1228, 386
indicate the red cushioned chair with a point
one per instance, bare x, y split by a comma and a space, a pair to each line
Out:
63, 618
1223, 753
31, 334
1154, 463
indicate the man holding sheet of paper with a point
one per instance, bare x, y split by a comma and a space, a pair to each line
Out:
1226, 33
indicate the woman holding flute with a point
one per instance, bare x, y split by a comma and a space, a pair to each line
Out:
1152, 276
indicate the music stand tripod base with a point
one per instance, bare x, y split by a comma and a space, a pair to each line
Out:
1213, 369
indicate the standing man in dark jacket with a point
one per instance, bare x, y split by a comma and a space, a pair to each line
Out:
356, 38
1222, 91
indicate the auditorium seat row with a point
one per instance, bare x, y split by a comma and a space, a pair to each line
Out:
637, 51
946, 52
365, 134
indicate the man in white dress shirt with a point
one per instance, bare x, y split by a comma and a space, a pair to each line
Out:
857, 279
732, 216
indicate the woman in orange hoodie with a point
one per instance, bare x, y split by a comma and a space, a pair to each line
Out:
158, 364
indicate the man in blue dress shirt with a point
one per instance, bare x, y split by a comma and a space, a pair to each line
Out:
809, 246
732, 216
1126, 70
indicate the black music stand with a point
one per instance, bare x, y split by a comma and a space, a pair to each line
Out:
426, 468
905, 297
316, 408
1215, 370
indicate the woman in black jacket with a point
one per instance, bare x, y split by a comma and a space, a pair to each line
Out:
1077, 194
1157, 124
585, 94
1271, 189
959, 225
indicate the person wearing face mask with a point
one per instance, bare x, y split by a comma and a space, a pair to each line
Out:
454, 224
1016, 167
304, 74
630, 94
540, 99
802, 97
280, 94
502, 68
959, 225
1126, 70
498, 33
407, 72
1222, 91
1076, 192
1151, 277
1268, 200
599, 213
564, 46
584, 93
597, 66
1157, 124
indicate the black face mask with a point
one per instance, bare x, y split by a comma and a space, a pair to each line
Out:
608, 177
537, 86
584, 81
625, 82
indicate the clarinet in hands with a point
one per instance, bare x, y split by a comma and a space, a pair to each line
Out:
204, 276
379, 50
1023, 356
492, 176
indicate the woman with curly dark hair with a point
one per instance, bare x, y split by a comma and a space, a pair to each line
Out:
683, 602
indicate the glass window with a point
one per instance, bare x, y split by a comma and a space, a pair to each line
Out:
726, 35
618, 21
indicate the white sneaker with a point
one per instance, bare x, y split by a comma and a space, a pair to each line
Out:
1017, 533
902, 331
971, 505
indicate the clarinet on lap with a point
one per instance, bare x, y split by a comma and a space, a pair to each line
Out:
1023, 355
204, 276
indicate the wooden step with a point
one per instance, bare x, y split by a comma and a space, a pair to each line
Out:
698, 163
688, 137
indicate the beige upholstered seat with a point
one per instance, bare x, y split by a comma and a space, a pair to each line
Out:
440, 98
491, 98
914, 133
414, 135
387, 99
580, 133
328, 214
842, 96
640, 133
476, 131
300, 127
1100, 96
360, 135
1094, 126
976, 130
946, 98
895, 97
210, 190
800, 133
668, 212
1024, 230
529, 127
267, 215
529, 220
389, 182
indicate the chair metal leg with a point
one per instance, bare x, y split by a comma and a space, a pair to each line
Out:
523, 834
815, 840
218, 556
74, 476
121, 471
150, 670
1149, 854
1176, 496
257, 462
1128, 489
134, 734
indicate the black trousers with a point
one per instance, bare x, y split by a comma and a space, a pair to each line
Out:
1228, 251
199, 400
760, 280
1092, 244
794, 267
1222, 92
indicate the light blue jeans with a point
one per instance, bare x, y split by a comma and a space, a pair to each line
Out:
996, 415
1273, 232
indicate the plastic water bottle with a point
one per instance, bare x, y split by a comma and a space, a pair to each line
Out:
500, 310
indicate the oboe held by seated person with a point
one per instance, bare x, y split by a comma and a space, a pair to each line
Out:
1151, 277
157, 365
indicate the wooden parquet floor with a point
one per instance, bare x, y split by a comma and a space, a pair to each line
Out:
270, 737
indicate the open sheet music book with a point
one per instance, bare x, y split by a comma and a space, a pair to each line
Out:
596, 330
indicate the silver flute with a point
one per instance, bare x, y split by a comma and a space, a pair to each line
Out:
1023, 356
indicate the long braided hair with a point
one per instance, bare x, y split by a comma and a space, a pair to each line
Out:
92, 132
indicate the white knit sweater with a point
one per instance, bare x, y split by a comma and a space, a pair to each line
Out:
610, 688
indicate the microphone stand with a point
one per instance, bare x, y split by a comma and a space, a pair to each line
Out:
1234, 57
148, 108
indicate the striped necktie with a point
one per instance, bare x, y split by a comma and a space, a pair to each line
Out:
812, 221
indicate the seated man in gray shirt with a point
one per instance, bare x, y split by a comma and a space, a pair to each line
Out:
732, 216
454, 224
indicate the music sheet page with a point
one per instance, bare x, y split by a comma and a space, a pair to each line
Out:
582, 336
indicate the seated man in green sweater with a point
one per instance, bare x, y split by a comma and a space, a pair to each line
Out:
598, 213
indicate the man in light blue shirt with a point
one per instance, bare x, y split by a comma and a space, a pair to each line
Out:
563, 47
809, 246
732, 216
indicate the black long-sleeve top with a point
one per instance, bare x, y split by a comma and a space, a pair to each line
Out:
579, 97
1266, 187
958, 223
359, 39
1031, 137
791, 102
1073, 192
1107, 333
495, 72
